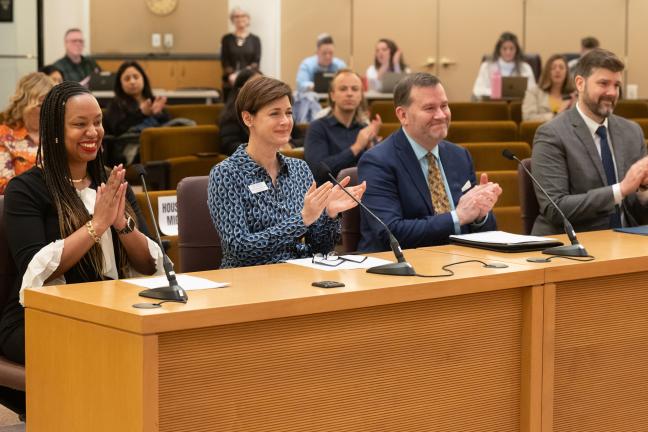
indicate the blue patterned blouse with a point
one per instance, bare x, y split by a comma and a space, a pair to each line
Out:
266, 226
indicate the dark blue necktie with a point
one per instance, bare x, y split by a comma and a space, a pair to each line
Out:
608, 167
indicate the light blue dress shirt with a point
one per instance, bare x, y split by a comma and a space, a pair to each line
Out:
309, 66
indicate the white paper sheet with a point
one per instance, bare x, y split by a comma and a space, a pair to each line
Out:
501, 237
188, 283
345, 265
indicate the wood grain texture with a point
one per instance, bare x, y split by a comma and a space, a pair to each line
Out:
601, 353
85, 377
448, 364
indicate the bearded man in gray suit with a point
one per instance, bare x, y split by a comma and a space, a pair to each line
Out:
592, 163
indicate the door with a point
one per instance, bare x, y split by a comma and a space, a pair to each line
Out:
18, 48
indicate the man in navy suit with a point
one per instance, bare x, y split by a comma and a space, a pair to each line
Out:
423, 187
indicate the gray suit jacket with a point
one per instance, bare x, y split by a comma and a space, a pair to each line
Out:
565, 161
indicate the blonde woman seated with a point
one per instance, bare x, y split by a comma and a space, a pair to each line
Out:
262, 203
554, 94
19, 132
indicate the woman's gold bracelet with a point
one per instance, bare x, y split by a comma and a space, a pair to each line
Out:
92, 232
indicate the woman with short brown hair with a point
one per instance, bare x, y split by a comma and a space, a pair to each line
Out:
263, 203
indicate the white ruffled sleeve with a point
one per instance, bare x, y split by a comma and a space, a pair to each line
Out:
41, 267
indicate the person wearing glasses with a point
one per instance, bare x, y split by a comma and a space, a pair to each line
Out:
74, 65
266, 207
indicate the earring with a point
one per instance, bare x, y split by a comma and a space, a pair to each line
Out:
56, 140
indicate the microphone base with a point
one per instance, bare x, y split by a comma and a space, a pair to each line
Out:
174, 294
569, 251
394, 269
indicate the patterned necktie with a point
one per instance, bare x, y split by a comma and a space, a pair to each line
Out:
608, 167
437, 187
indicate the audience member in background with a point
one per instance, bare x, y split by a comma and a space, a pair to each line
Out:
553, 94
587, 44
389, 58
507, 60
239, 50
592, 163
340, 138
322, 61
69, 219
19, 132
74, 65
423, 187
54, 73
262, 203
134, 107
231, 131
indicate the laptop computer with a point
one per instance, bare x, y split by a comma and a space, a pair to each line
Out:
322, 81
389, 81
103, 80
514, 87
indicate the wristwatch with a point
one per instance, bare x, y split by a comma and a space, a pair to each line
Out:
130, 226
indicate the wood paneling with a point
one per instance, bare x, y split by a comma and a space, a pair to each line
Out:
637, 35
375, 20
125, 26
301, 23
557, 26
469, 29
601, 352
436, 365
72, 362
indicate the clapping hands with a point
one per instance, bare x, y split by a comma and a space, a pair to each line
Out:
329, 197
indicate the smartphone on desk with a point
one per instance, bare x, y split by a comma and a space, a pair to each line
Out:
327, 284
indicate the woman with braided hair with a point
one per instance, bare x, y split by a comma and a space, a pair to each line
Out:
69, 219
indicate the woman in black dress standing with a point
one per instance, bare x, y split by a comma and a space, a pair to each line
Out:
239, 49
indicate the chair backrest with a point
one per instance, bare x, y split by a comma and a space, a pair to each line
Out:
482, 131
351, 217
528, 130
632, 108
535, 61
7, 266
507, 208
515, 111
199, 242
387, 129
476, 111
529, 208
386, 110
200, 113
488, 156
297, 153
168, 142
172, 250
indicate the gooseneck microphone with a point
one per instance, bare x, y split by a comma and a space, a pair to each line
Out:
399, 268
174, 291
575, 249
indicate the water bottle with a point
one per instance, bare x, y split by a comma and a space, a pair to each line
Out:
496, 84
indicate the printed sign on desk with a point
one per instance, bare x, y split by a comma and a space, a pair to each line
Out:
168, 215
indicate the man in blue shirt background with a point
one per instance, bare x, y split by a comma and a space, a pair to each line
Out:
322, 61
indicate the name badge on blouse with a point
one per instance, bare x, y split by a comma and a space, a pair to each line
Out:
258, 187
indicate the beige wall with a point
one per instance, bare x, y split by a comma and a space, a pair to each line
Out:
302, 21
459, 30
125, 26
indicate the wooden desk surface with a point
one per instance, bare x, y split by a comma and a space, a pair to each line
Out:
615, 253
274, 291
